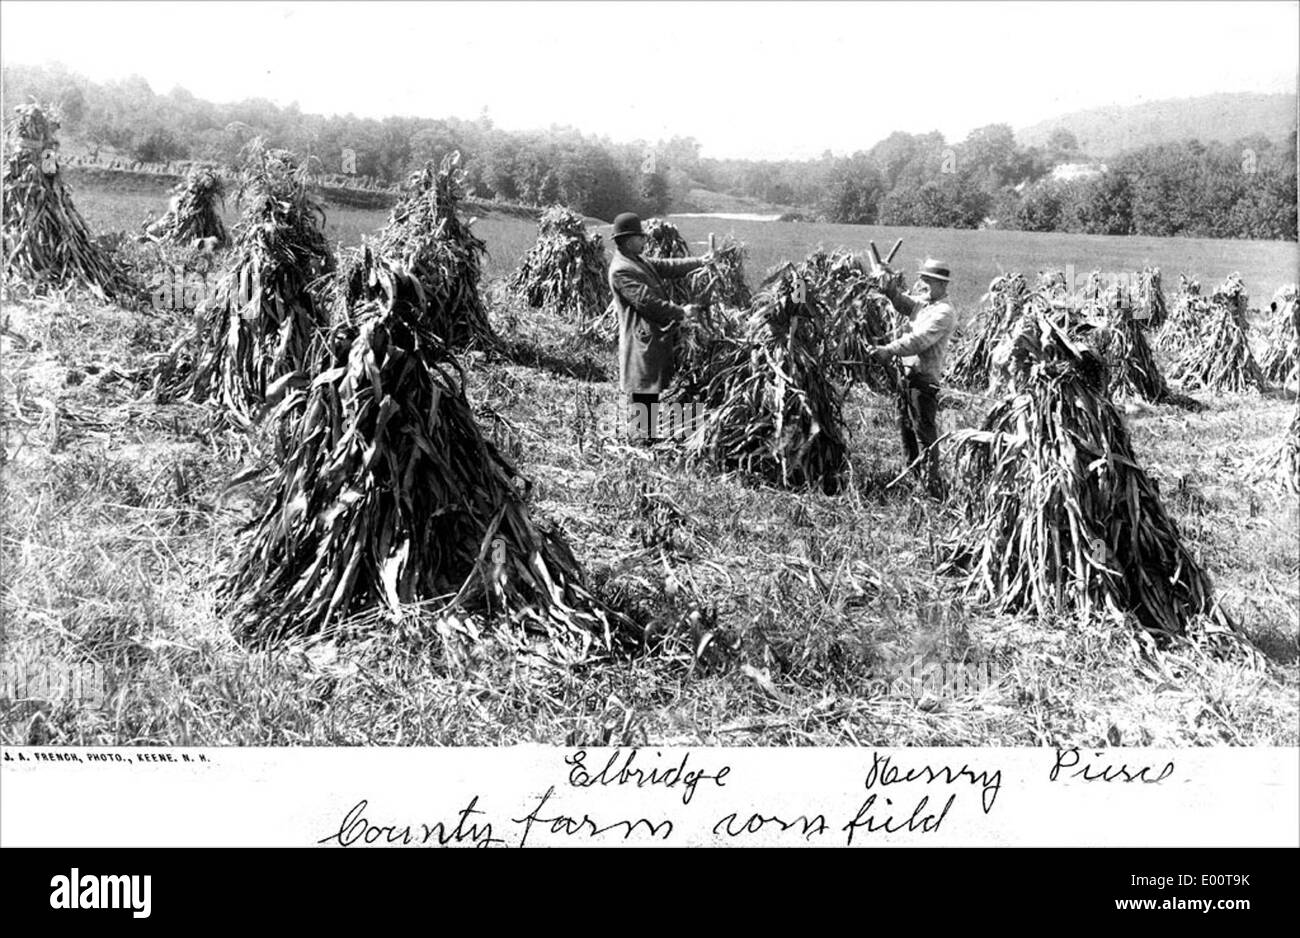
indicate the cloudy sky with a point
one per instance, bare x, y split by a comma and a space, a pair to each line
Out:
761, 80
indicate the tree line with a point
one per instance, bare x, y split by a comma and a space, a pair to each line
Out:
592, 175
1242, 190
1246, 190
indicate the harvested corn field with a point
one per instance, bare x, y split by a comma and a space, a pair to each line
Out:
705, 572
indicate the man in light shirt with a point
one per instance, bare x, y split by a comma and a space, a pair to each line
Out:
922, 349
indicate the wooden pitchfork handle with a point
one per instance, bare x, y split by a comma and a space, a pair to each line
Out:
876, 263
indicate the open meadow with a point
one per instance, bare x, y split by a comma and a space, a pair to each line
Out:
118, 520
976, 257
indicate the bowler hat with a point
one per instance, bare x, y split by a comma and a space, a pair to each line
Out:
627, 224
934, 270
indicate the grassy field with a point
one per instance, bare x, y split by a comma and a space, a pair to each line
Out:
976, 257
116, 529
127, 202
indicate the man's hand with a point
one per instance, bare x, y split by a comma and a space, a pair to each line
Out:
693, 310
879, 354
890, 280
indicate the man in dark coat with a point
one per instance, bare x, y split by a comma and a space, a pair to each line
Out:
647, 321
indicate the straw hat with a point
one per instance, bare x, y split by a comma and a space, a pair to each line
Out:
934, 270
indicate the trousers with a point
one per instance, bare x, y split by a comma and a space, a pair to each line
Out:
918, 424
643, 416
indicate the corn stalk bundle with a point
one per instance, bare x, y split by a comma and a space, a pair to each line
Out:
1281, 364
1108, 329
1132, 364
565, 270
1221, 360
703, 341
1059, 515
858, 316
364, 273
1066, 308
426, 236
1053, 284
1151, 298
1008, 358
662, 239
719, 291
1188, 321
1232, 294
386, 494
722, 280
1088, 330
769, 408
46, 241
1093, 288
367, 274
972, 366
196, 209
818, 267
263, 321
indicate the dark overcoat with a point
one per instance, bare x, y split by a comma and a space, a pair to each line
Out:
647, 319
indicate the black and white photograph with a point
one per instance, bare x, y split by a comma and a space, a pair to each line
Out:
670, 394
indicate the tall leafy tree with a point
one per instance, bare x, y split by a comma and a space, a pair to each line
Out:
854, 189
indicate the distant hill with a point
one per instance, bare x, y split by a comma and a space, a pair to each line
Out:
1105, 131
